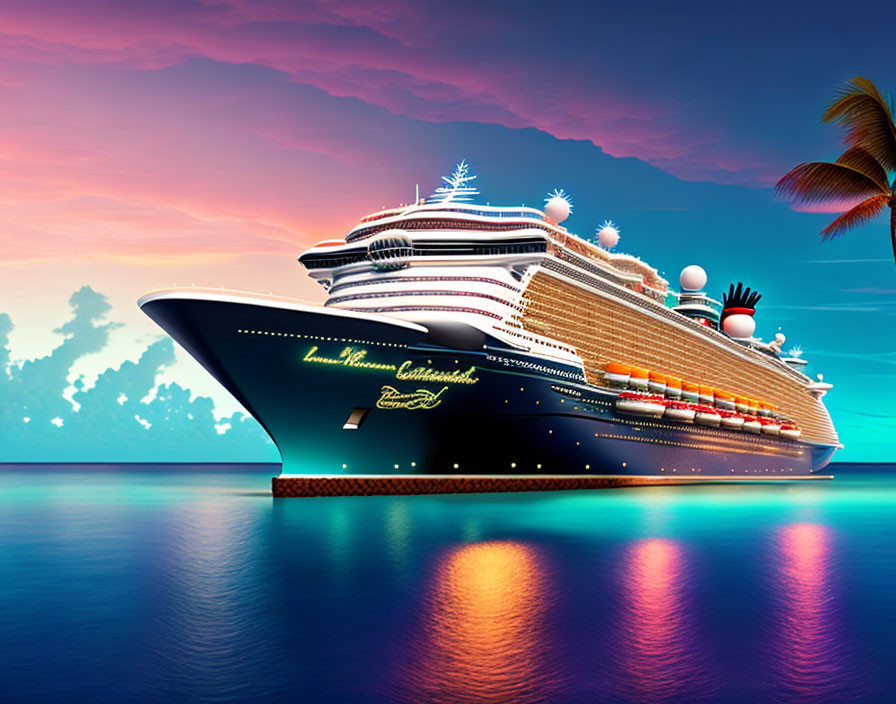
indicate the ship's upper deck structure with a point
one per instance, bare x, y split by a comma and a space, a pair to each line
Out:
517, 274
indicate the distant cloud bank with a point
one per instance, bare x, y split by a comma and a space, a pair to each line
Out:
124, 417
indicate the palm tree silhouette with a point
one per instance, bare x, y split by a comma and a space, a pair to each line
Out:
860, 177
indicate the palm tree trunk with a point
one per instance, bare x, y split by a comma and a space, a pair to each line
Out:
893, 226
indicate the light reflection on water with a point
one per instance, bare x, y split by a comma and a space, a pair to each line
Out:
483, 635
658, 647
154, 587
808, 655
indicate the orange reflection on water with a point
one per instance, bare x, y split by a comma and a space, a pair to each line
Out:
807, 660
483, 635
656, 645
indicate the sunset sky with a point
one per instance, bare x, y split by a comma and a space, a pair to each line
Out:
144, 144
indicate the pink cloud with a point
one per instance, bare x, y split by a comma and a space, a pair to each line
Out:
392, 54
185, 161
188, 126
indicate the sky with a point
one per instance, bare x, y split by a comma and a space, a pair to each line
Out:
145, 144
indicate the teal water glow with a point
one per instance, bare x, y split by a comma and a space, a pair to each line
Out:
143, 584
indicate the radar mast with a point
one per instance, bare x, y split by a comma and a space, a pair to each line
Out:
456, 188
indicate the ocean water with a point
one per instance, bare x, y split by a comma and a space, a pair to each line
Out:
192, 584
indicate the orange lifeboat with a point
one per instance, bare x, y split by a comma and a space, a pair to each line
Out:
707, 395
690, 392
725, 400
639, 379
741, 404
673, 388
617, 375
656, 383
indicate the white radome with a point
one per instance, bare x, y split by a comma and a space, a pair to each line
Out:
557, 209
739, 326
608, 236
693, 278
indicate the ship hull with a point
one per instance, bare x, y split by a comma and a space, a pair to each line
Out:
350, 393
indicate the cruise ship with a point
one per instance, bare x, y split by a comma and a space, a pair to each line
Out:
462, 340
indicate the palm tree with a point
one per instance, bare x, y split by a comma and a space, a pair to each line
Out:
861, 175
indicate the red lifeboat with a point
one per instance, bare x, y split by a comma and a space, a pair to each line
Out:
752, 424
707, 415
770, 426
731, 420
790, 430
641, 404
680, 411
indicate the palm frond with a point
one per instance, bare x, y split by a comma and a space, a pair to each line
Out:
861, 160
855, 216
819, 181
867, 118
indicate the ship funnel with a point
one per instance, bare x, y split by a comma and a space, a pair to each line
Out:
738, 307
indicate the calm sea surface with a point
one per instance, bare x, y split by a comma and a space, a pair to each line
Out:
148, 584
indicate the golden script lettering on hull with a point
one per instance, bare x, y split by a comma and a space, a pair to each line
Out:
349, 357
357, 358
421, 399
433, 375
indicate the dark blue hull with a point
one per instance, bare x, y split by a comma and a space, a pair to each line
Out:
445, 403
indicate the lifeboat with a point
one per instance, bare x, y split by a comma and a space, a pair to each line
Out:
707, 395
752, 406
790, 431
741, 404
765, 410
725, 400
641, 404
752, 425
679, 411
638, 379
617, 375
770, 426
690, 392
707, 415
731, 420
673, 388
656, 383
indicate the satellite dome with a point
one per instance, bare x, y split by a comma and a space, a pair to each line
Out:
557, 206
608, 235
780, 338
693, 278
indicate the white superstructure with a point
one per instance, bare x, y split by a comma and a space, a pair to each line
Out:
447, 260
